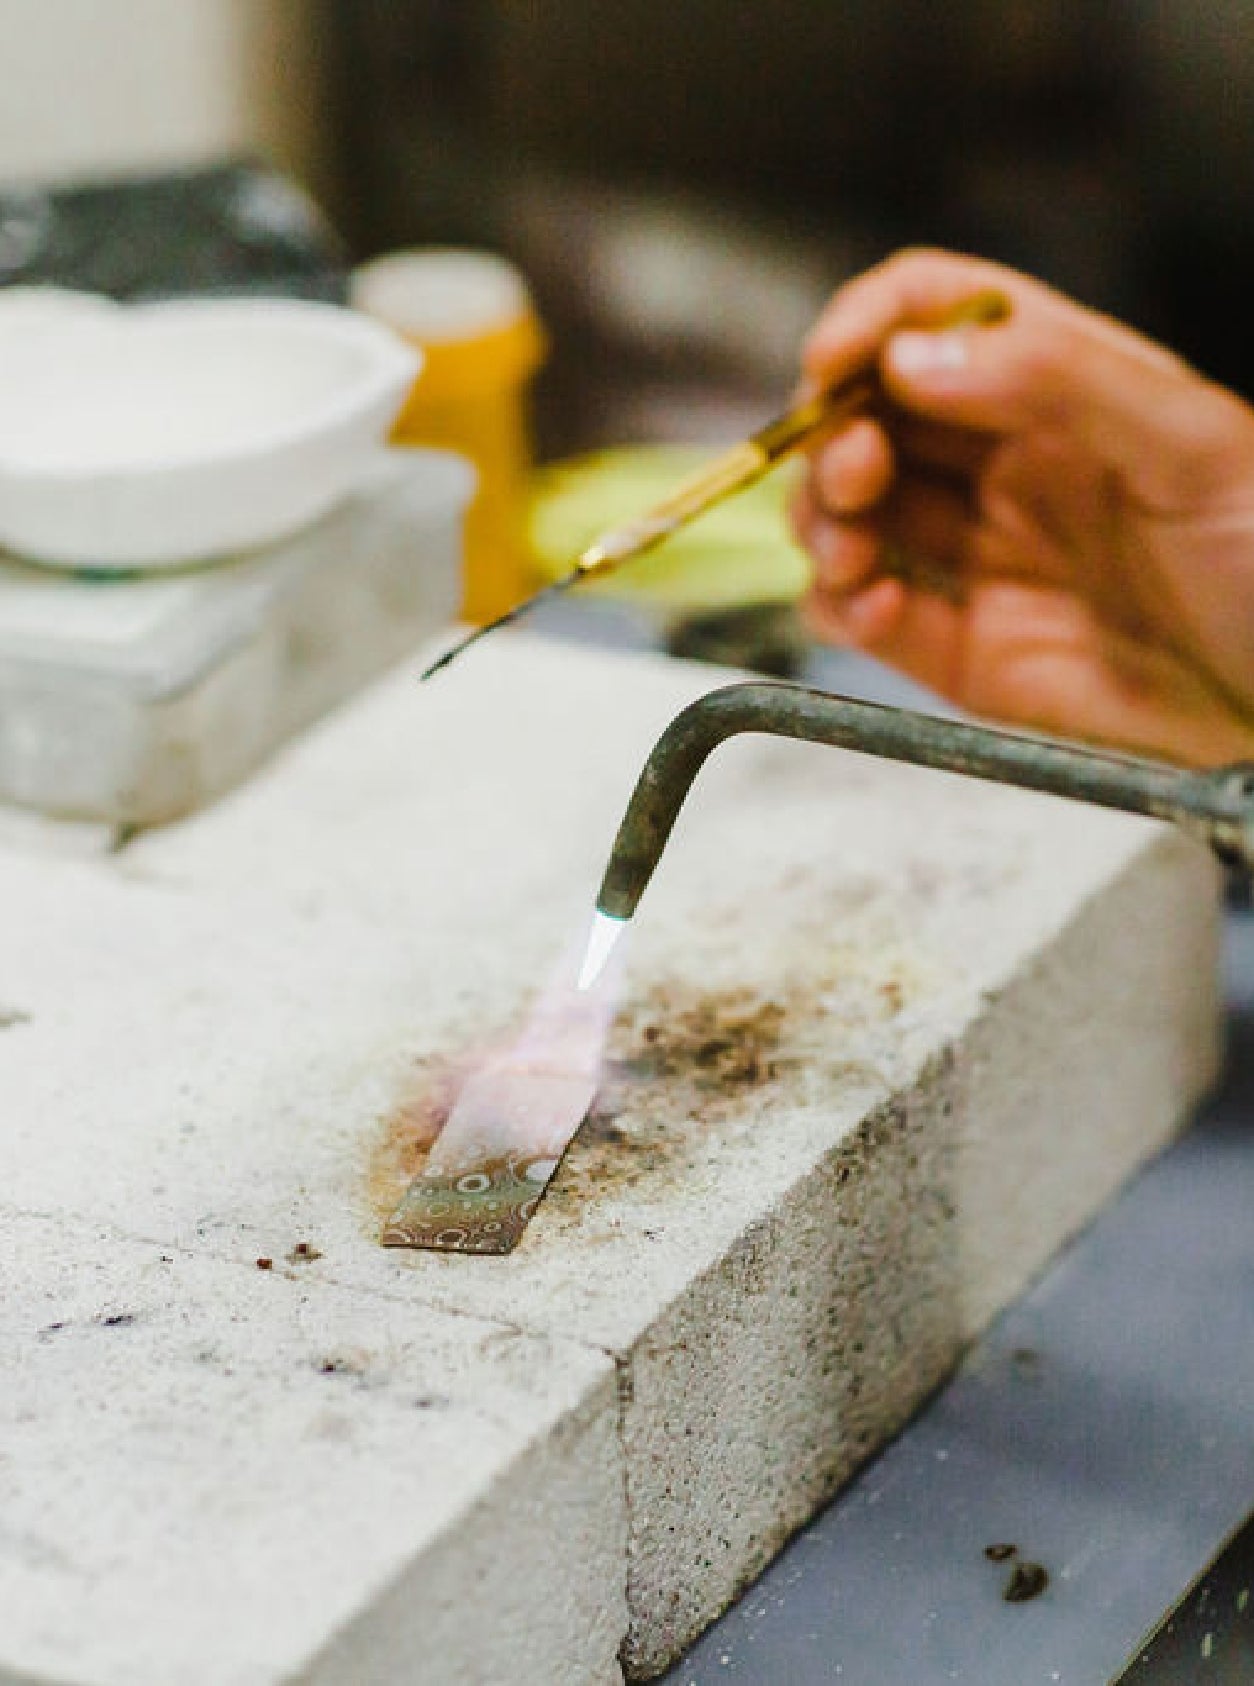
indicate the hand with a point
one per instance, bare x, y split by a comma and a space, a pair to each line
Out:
1050, 521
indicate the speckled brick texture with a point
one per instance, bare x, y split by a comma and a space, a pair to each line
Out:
888, 1038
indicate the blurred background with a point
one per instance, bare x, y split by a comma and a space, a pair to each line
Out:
686, 180
683, 181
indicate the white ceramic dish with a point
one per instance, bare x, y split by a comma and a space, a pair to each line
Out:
150, 436
23, 308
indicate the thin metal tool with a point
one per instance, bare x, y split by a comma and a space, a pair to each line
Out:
1216, 805
733, 472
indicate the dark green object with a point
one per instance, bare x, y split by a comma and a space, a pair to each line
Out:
1216, 806
229, 228
762, 637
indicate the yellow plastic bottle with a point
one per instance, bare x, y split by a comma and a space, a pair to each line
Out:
471, 315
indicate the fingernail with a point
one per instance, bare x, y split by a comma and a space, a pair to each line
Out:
928, 354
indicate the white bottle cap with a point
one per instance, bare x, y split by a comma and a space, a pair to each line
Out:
441, 293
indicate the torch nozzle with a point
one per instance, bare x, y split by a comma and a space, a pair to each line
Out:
1217, 804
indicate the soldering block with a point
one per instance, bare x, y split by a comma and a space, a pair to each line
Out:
889, 1039
213, 1473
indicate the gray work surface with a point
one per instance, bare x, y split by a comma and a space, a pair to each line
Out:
1105, 1427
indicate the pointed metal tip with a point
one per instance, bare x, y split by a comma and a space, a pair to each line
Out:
507, 619
602, 941
440, 662
451, 654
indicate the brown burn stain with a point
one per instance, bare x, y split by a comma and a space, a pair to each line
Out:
720, 1044
672, 1053
408, 1132
611, 1153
